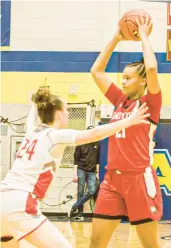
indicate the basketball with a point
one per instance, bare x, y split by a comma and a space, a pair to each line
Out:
128, 24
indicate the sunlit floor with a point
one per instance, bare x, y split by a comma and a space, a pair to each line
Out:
78, 234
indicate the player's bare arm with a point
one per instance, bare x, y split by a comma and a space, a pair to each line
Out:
144, 27
98, 69
101, 132
32, 117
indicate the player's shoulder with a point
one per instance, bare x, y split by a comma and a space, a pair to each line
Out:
150, 97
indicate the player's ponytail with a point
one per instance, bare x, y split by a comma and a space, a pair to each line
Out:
47, 104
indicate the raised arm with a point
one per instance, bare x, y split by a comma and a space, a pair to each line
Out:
32, 118
98, 70
144, 25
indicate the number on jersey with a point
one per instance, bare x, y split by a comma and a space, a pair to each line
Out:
27, 148
121, 134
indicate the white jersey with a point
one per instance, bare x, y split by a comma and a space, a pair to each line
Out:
34, 167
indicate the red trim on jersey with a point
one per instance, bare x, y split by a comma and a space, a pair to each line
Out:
42, 184
31, 205
32, 230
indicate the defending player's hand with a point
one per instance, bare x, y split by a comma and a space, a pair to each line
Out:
140, 115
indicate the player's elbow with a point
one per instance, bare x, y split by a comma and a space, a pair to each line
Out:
95, 75
93, 70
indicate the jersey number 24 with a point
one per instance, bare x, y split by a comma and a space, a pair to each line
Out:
27, 148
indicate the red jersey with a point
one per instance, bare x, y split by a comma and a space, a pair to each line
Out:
131, 149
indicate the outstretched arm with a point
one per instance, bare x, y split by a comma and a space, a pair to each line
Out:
104, 131
74, 137
32, 118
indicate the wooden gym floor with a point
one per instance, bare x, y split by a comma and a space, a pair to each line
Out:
78, 234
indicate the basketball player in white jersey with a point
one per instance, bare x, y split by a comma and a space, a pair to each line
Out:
33, 171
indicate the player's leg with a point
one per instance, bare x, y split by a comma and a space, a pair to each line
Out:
91, 188
148, 234
9, 243
80, 190
47, 236
81, 187
144, 204
110, 208
99, 237
7, 240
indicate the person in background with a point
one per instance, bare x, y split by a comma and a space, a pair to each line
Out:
86, 173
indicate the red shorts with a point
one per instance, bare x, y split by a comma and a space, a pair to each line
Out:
125, 194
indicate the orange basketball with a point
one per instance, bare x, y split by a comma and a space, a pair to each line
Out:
128, 24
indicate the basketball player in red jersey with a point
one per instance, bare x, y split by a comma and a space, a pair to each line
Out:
130, 187
34, 169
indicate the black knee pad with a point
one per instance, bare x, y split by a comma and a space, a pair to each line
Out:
6, 239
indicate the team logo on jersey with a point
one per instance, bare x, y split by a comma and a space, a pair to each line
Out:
162, 165
120, 115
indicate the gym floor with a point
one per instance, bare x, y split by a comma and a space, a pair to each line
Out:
78, 234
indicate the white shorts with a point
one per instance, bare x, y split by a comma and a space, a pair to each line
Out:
20, 214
